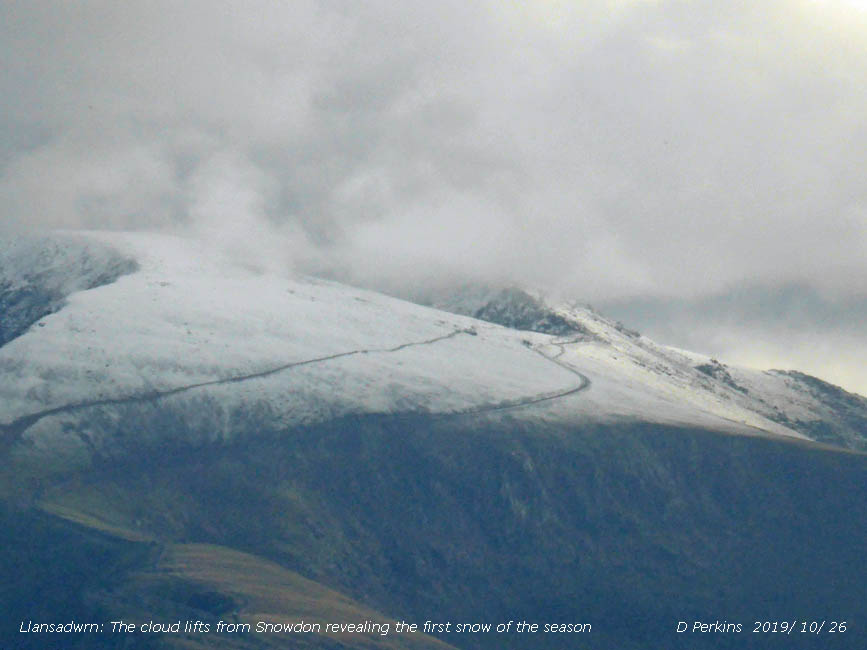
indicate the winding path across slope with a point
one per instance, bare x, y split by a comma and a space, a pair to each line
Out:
584, 383
12, 431
18, 426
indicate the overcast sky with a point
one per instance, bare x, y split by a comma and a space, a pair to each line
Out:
665, 159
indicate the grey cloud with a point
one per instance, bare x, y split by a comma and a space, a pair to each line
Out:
605, 149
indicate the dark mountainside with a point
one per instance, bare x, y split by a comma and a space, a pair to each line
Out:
630, 528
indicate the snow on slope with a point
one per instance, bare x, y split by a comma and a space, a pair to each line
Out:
776, 401
209, 348
189, 317
817, 409
38, 273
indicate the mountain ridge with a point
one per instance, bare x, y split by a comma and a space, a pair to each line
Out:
191, 336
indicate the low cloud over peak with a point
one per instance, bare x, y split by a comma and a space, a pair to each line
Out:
608, 149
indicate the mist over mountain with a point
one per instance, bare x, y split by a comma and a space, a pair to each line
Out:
607, 151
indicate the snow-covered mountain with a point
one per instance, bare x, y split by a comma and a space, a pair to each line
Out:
185, 435
804, 404
113, 340
38, 274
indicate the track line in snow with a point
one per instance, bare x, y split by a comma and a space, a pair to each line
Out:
13, 430
519, 402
